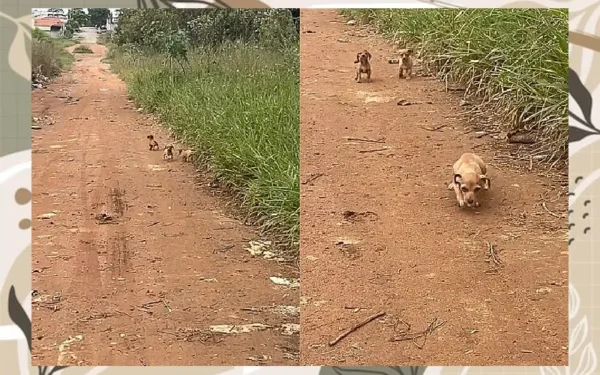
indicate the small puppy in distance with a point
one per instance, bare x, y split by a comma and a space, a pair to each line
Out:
405, 64
168, 153
364, 66
186, 155
152, 143
468, 179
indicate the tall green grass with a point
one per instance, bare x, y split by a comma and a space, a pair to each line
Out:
514, 60
238, 106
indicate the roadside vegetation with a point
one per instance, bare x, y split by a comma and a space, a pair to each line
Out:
226, 82
513, 61
48, 55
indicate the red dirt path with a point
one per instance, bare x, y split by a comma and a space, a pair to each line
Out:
145, 290
417, 256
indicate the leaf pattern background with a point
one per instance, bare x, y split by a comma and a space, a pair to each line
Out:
585, 17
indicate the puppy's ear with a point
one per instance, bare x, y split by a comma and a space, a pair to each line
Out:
357, 58
457, 179
487, 183
369, 55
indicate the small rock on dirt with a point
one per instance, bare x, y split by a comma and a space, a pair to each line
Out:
480, 134
351, 22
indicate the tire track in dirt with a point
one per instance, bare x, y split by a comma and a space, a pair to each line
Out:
144, 283
380, 232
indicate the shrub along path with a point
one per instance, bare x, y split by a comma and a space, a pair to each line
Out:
419, 257
145, 286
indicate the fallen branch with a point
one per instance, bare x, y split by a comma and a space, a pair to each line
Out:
434, 325
492, 253
354, 328
381, 140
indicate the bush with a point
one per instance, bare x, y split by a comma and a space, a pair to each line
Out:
514, 60
233, 95
206, 27
48, 55
82, 49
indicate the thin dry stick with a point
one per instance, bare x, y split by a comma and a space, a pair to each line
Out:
375, 150
435, 324
354, 328
492, 253
312, 178
550, 212
435, 128
381, 140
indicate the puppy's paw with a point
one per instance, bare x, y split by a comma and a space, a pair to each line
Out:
477, 204
450, 186
461, 204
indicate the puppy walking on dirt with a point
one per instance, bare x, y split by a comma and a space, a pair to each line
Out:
468, 179
364, 66
152, 143
186, 155
405, 64
168, 153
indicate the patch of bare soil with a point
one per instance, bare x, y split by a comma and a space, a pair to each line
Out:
380, 232
135, 262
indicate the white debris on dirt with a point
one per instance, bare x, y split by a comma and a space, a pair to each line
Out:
259, 358
235, 329
64, 349
287, 310
285, 282
48, 215
259, 248
290, 329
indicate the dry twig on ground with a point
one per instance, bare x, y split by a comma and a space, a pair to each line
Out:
354, 328
407, 336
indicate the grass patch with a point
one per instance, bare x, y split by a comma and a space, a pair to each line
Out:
82, 49
515, 61
237, 105
48, 55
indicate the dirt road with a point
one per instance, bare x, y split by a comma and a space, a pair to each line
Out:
413, 253
145, 287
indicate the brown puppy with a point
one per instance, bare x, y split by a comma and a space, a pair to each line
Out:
405, 63
168, 153
469, 177
186, 155
152, 142
364, 66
